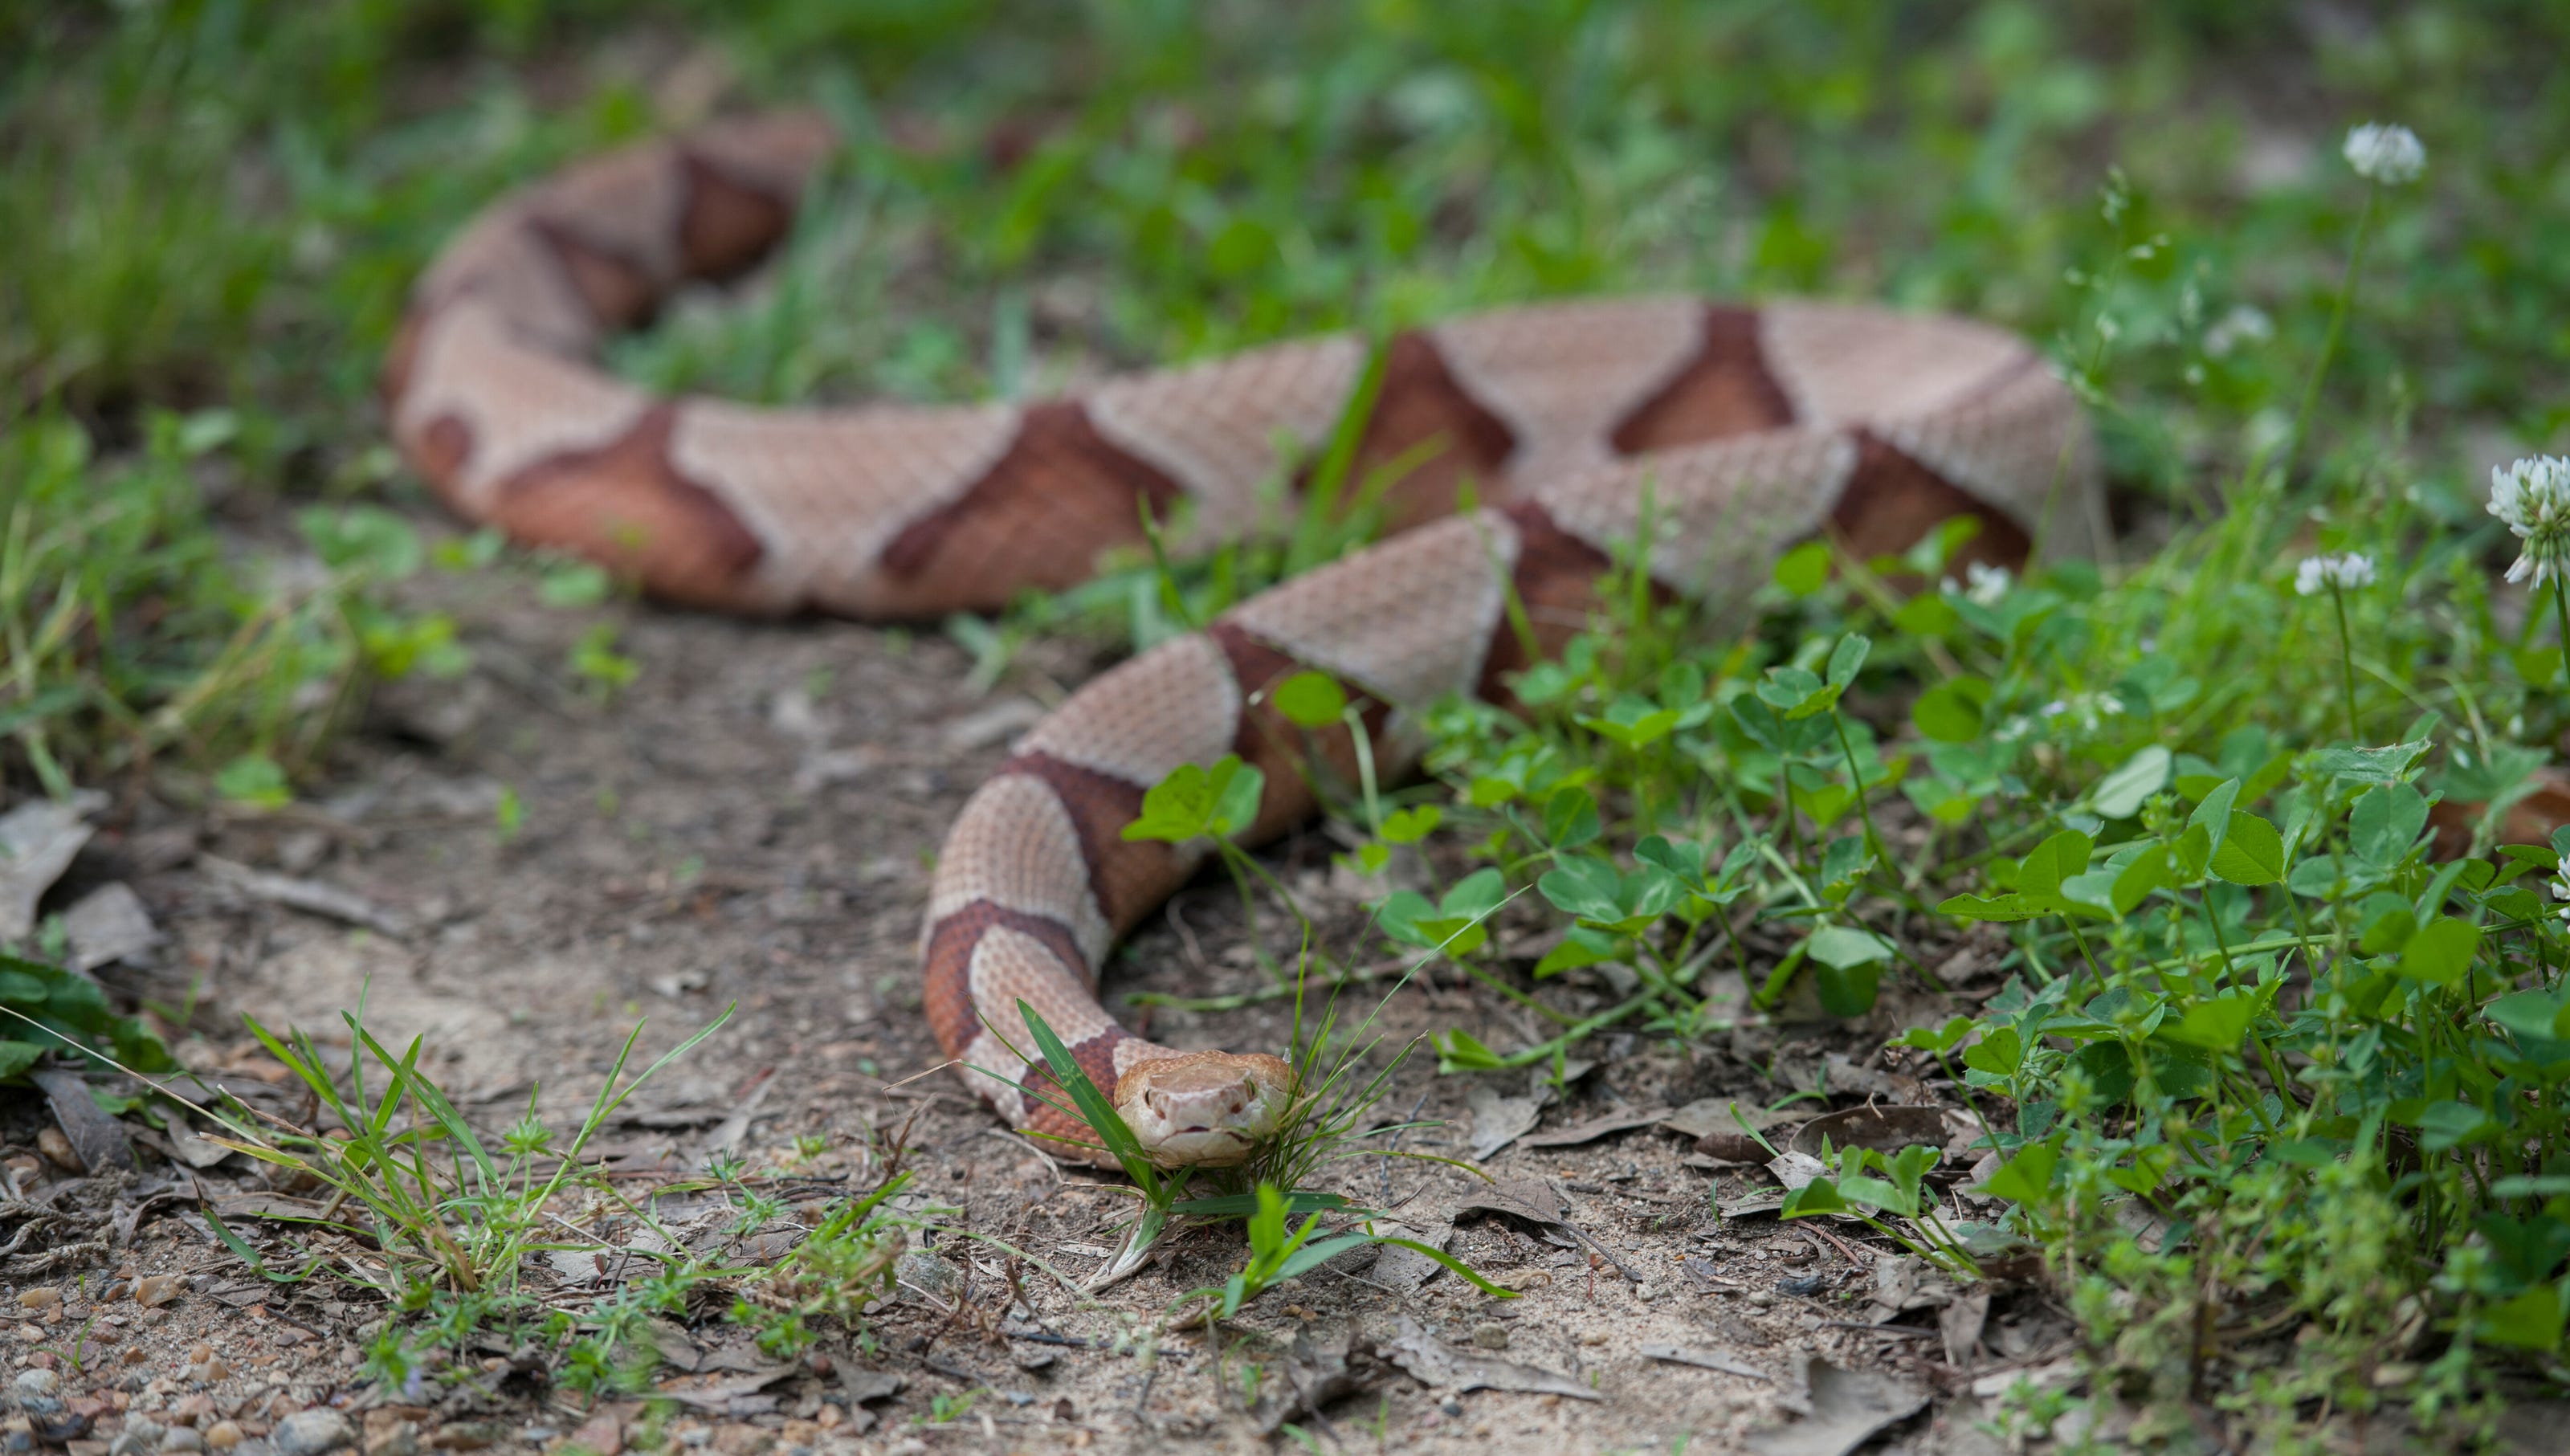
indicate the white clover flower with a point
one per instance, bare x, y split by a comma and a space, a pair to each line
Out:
2245, 323
2319, 574
2385, 153
2561, 891
2533, 497
1987, 584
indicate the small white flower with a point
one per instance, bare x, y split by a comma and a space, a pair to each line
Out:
1988, 584
2243, 325
2318, 574
2385, 153
2533, 497
2561, 891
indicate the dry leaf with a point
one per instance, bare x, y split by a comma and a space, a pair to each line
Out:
1435, 1364
1497, 1121
1845, 1408
1882, 1128
38, 840
1703, 1360
1596, 1127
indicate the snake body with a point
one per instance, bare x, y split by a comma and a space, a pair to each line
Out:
1734, 432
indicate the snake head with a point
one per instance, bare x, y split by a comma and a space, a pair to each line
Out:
1204, 1109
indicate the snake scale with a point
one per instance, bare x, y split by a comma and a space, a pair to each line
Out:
1748, 429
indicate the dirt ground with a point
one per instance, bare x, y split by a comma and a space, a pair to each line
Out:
750, 823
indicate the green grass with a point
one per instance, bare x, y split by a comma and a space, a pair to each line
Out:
2247, 997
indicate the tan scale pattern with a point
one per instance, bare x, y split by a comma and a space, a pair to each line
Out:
827, 490
1720, 513
1563, 376
1409, 620
1842, 364
2013, 446
1214, 427
774, 153
625, 204
502, 264
1173, 704
490, 388
1009, 966
1014, 847
520, 407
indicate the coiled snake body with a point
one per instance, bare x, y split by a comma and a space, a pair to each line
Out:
1748, 430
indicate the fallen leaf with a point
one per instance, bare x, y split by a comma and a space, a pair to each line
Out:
108, 924
1403, 1270
311, 896
192, 1148
1906, 1283
1845, 1408
1707, 1115
37, 840
717, 1392
1703, 1359
1718, 1133
1317, 1372
1497, 1121
97, 1138
866, 1385
1961, 1322
1797, 1169
1882, 1128
1530, 1198
1441, 1366
1596, 1127
280, 1207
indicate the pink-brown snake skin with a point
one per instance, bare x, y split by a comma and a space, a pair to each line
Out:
1747, 428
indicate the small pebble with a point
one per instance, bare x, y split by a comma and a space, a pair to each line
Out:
36, 1382
43, 1297
153, 1290
1646, 1293
59, 1151
223, 1435
1762, 1299
135, 1355
1451, 1407
200, 1353
141, 1436
212, 1372
182, 1438
1491, 1335
313, 1432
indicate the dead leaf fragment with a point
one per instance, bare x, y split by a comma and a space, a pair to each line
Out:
1403, 1270
1317, 1372
98, 1138
1960, 1324
38, 840
107, 925
1497, 1121
1596, 1127
716, 1392
1435, 1364
311, 896
1845, 1408
1882, 1128
1703, 1359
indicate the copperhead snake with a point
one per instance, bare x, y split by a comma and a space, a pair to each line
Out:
1750, 429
